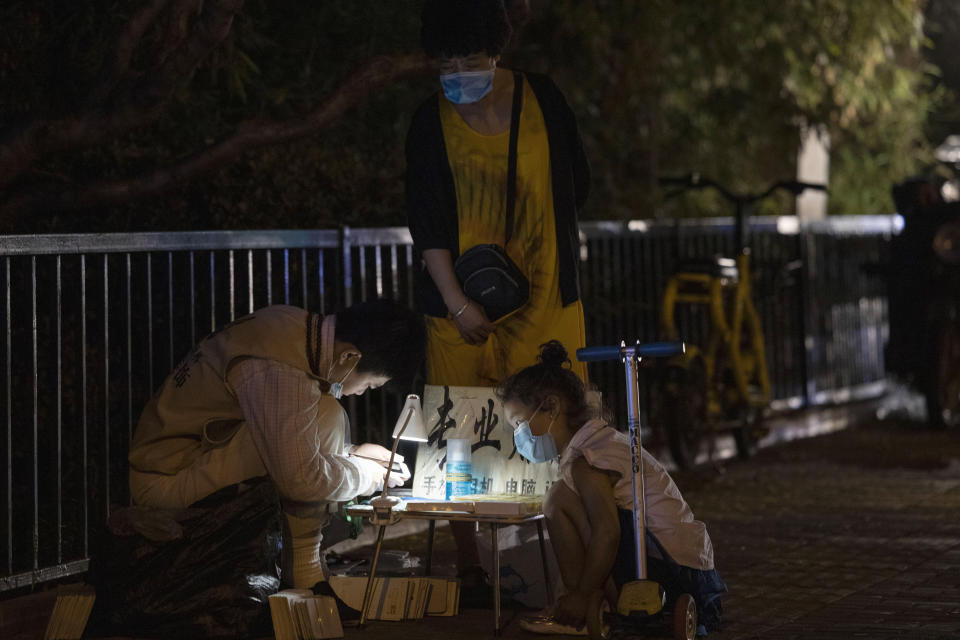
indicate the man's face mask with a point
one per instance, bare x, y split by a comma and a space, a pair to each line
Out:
532, 447
336, 388
464, 87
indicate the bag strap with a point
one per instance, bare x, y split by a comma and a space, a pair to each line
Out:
512, 154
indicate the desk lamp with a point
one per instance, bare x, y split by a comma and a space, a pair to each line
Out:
409, 427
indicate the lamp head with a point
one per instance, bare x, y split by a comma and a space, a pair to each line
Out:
410, 424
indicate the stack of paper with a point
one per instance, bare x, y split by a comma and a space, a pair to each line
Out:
298, 614
426, 504
401, 598
70, 613
504, 504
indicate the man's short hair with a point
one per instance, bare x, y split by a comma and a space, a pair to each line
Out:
459, 28
391, 338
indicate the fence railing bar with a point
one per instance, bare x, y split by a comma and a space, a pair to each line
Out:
410, 275
130, 346
303, 278
213, 292
379, 235
170, 353
193, 308
394, 273
36, 423
378, 267
9, 352
59, 413
321, 284
233, 285
362, 267
269, 277
346, 249
150, 319
106, 382
286, 276
71, 244
83, 400
250, 306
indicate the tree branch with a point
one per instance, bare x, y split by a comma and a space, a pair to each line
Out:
22, 148
248, 135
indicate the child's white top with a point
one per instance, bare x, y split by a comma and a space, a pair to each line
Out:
669, 517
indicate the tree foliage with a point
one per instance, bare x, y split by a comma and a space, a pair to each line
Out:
179, 114
724, 87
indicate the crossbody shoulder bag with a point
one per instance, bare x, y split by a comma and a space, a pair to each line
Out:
487, 274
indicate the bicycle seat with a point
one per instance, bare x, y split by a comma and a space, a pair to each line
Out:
717, 266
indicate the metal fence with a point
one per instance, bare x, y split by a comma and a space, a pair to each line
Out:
92, 324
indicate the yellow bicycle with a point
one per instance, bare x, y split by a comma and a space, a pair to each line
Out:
723, 385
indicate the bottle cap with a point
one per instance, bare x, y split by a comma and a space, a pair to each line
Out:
458, 450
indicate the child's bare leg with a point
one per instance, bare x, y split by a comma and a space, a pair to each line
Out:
611, 593
569, 532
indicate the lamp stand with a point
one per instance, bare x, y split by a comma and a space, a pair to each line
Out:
382, 515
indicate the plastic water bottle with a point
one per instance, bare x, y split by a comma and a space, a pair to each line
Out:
459, 470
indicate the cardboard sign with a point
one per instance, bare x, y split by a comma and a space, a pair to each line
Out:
476, 414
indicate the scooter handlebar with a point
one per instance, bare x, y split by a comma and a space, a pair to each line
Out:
615, 352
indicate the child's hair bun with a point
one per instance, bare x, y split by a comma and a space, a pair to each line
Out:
552, 354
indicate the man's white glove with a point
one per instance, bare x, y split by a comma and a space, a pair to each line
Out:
378, 470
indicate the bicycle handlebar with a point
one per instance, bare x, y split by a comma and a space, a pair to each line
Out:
696, 181
615, 352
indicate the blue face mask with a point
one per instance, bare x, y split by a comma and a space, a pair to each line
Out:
464, 87
532, 447
336, 388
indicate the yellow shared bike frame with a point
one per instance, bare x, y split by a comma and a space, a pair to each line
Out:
723, 385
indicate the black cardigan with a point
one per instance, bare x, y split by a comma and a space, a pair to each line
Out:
431, 195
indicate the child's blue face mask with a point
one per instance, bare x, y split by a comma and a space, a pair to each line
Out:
464, 87
532, 447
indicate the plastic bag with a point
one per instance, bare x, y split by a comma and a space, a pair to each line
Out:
209, 578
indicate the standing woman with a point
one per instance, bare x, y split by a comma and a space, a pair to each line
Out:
458, 149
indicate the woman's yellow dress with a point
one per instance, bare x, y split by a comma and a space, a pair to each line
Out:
479, 166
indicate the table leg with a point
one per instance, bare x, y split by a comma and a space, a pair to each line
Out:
370, 580
543, 560
494, 530
431, 528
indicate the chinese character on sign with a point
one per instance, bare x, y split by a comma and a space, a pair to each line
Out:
485, 426
444, 424
511, 485
529, 487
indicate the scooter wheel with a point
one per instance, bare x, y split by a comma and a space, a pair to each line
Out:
596, 626
685, 618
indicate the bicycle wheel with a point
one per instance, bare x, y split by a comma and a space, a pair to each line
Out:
681, 410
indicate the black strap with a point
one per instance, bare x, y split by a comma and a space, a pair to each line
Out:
512, 153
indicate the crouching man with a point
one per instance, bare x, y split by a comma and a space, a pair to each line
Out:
260, 398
